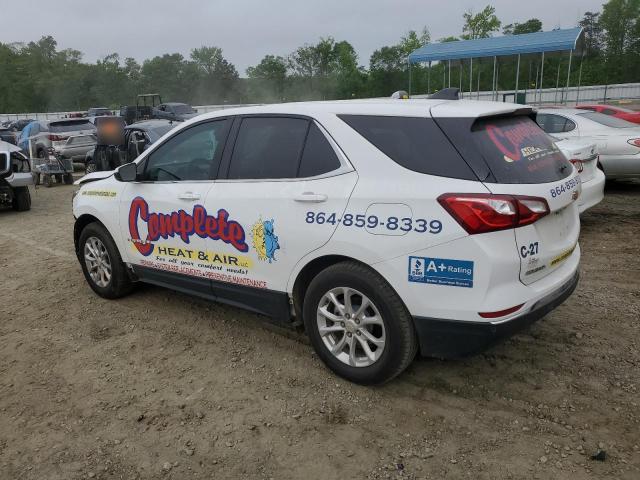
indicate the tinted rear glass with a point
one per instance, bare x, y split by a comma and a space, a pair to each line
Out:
607, 120
517, 150
413, 142
60, 127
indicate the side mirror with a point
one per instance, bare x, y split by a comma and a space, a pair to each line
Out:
127, 172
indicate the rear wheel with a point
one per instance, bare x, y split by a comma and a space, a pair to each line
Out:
101, 263
358, 324
21, 199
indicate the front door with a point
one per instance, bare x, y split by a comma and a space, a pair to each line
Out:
162, 215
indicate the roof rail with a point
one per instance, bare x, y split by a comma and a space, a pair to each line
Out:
446, 94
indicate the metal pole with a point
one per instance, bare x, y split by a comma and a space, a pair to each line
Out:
517, 78
429, 78
470, 77
498, 83
541, 78
444, 75
566, 97
409, 62
449, 73
526, 87
555, 98
579, 79
535, 90
461, 91
494, 95
478, 89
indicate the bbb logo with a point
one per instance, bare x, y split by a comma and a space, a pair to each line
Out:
417, 267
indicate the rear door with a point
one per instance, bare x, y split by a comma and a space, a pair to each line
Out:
283, 184
524, 161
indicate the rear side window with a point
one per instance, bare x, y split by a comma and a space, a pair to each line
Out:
318, 157
518, 151
268, 148
554, 123
414, 143
62, 127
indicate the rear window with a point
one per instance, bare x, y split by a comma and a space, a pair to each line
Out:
415, 143
607, 120
517, 150
70, 126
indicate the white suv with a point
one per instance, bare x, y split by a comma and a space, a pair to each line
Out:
382, 226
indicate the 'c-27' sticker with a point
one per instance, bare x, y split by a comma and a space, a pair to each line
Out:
441, 271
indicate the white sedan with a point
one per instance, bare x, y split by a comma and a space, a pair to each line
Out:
618, 141
584, 157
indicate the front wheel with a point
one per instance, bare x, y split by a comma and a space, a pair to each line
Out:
21, 199
101, 263
358, 324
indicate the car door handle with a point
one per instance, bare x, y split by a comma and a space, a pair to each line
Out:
189, 196
311, 197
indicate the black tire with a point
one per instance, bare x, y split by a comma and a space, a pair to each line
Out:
401, 342
21, 199
42, 154
120, 284
47, 181
59, 178
68, 179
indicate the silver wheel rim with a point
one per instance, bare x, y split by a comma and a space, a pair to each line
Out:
98, 262
351, 327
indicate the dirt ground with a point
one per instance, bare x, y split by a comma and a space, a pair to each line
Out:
161, 385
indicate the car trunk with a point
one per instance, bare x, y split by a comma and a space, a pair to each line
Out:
512, 156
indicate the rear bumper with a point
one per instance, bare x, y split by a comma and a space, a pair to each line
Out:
592, 192
453, 339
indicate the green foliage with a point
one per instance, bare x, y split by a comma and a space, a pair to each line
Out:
480, 25
530, 26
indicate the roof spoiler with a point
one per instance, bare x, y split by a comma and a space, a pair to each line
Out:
446, 94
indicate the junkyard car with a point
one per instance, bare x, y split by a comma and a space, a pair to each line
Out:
382, 226
584, 156
65, 139
618, 141
15, 178
178, 112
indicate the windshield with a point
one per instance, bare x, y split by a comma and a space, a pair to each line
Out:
182, 109
70, 126
157, 132
607, 120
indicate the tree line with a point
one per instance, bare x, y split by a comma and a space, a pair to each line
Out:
38, 76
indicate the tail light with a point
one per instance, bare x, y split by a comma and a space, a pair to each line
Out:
634, 141
501, 313
578, 164
57, 138
482, 213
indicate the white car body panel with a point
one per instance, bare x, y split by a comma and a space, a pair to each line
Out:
585, 156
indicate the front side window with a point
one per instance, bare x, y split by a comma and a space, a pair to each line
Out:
193, 154
268, 148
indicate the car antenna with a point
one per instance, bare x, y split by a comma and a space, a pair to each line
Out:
451, 93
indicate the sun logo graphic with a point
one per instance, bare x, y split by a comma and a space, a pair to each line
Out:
265, 241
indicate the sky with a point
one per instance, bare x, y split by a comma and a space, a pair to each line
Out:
247, 30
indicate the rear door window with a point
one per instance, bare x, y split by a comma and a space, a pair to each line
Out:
554, 123
416, 143
518, 151
318, 157
268, 148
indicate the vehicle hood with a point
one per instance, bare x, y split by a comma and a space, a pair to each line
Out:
8, 147
92, 177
